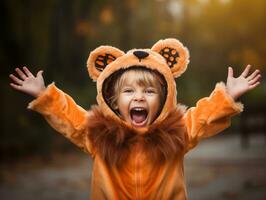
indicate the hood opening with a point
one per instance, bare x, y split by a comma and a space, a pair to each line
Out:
109, 83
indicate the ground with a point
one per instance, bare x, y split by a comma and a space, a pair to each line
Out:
216, 169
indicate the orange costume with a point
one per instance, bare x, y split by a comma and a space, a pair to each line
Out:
129, 162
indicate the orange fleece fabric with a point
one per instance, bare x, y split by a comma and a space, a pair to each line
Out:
148, 162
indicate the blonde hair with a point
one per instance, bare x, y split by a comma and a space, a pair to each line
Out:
143, 77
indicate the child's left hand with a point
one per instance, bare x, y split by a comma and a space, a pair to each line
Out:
236, 87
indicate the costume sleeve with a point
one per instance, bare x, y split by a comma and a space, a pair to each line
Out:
64, 115
210, 116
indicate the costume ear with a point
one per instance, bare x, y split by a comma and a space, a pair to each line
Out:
100, 58
174, 53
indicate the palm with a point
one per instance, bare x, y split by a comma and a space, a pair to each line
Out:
238, 86
31, 84
27, 82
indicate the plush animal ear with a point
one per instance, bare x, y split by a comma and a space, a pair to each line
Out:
174, 53
100, 58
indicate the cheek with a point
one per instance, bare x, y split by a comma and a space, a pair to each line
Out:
155, 103
123, 101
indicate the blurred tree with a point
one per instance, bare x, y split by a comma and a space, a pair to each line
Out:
57, 36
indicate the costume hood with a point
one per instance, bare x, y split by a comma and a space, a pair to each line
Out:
168, 57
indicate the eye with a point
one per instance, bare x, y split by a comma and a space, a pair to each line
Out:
128, 90
150, 91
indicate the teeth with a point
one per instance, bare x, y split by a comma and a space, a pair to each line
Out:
138, 109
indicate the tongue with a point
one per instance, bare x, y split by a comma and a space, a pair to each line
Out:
138, 118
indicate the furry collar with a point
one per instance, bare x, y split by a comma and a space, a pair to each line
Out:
113, 140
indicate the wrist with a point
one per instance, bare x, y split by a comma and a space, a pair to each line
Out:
39, 92
232, 94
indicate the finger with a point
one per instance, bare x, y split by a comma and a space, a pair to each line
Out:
253, 75
40, 73
230, 72
27, 71
245, 72
21, 74
15, 79
254, 80
253, 86
17, 87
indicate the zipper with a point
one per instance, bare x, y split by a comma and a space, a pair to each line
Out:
137, 177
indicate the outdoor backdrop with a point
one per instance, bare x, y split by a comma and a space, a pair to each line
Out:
58, 35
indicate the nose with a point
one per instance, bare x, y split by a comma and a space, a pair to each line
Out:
138, 96
140, 54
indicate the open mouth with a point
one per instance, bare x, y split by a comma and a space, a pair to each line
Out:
138, 116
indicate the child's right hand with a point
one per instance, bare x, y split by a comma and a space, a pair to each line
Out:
28, 83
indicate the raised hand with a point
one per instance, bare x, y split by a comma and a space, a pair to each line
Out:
28, 83
236, 87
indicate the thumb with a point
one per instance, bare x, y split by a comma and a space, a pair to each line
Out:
39, 74
230, 72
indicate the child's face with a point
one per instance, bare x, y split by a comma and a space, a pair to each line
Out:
138, 104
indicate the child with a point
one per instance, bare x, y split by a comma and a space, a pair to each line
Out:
138, 135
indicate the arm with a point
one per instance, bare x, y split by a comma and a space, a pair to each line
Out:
213, 114
59, 109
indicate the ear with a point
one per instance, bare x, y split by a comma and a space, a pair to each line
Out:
174, 53
100, 58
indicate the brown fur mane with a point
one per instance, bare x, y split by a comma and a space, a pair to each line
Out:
113, 140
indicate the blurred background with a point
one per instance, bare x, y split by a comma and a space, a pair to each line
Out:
58, 35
